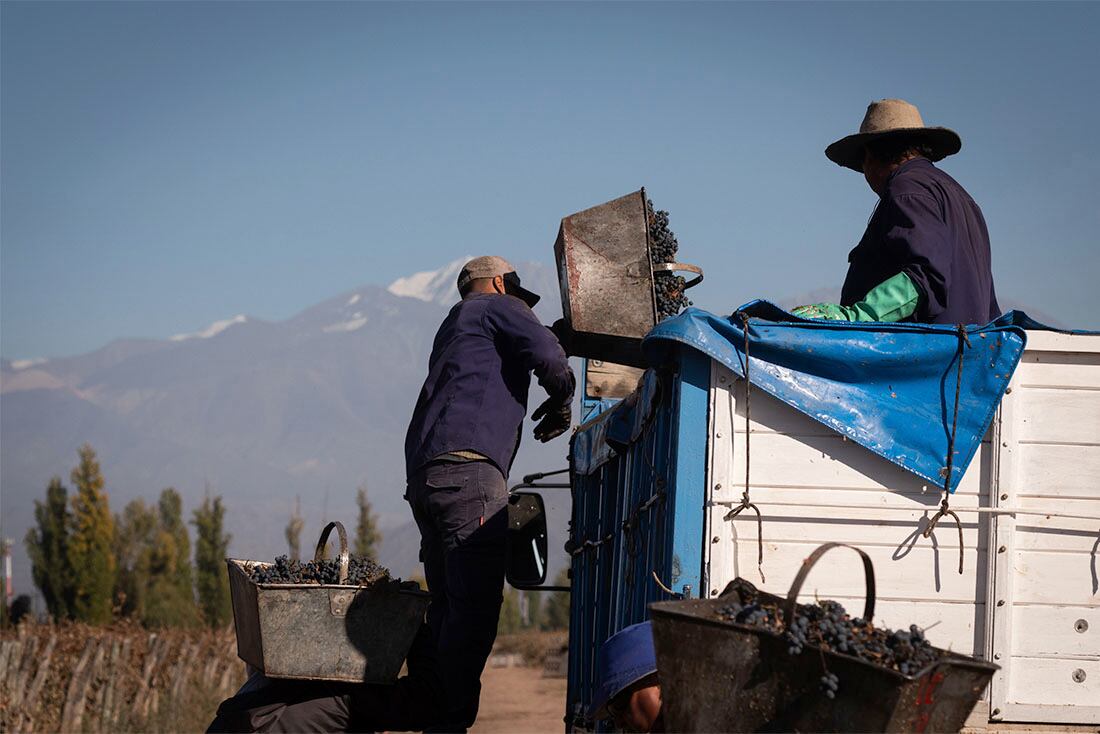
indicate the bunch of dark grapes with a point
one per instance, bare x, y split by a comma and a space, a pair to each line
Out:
827, 626
361, 572
663, 246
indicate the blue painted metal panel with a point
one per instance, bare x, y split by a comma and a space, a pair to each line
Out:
637, 512
691, 471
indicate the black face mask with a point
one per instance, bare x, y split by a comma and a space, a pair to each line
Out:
513, 288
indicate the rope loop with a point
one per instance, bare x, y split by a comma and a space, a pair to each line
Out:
945, 509
746, 502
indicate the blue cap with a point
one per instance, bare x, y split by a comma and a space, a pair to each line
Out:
624, 659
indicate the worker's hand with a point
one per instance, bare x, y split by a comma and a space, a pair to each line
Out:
555, 419
826, 311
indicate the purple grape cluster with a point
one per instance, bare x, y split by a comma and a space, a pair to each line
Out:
827, 626
663, 246
361, 572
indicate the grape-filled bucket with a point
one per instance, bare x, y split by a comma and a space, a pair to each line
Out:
333, 632
607, 279
721, 676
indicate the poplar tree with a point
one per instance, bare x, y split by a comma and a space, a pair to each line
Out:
48, 549
91, 542
171, 599
368, 539
135, 535
294, 534
211, 550
510, 620
556, 613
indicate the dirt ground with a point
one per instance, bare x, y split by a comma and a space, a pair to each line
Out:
519, 699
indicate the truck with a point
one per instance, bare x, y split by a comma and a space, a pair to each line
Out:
697, 471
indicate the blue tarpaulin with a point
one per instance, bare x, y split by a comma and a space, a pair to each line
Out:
888, 387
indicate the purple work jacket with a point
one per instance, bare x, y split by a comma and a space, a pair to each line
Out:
475, 396
929, 228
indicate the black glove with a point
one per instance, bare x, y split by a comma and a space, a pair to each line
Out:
555, 416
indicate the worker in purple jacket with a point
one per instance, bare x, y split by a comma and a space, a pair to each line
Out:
925, 255
459, 448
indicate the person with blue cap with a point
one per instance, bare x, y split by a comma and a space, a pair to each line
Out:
627, 691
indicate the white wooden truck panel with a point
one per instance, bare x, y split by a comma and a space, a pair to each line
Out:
1028, 597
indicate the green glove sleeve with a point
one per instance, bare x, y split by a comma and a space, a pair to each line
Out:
891, 300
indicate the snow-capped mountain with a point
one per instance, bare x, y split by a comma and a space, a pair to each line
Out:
433, 286
260, 412
213, 330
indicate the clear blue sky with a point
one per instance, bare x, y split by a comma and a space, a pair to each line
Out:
166, 165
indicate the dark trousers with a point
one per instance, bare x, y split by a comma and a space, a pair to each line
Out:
461, 511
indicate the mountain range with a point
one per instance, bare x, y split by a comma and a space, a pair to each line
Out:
269, 415
265, 414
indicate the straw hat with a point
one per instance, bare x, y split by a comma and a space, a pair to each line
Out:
892, 118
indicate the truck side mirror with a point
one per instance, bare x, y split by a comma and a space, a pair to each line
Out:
526, 555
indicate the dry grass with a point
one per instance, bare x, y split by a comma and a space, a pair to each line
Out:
118, 678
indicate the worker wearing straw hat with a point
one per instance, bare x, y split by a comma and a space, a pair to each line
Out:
925, 255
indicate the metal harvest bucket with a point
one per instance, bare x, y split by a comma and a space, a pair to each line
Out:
720, 676
606, 279
322, 631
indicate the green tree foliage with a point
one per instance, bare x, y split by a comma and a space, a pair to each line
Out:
556, 613
171, 598
154, 563
510, 620
294, 534
91, 542
211, 550
48, 548
135, 534
535, 609
368, 539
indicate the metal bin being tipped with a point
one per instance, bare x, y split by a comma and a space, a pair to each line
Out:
325, 632
606, 275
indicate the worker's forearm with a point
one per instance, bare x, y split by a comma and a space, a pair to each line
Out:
892, 300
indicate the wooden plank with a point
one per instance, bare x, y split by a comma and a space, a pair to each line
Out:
1044, 577
1047, 680
1056, 718
719, 561
610, 380
833, 461
1047, 470
1054, 534
860, 527
1035, 532
926, 572
839, 501
770, 415
1056, 631
1059, 416
1050, 341
1047, 369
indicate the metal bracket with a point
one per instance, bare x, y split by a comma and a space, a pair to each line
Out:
339, 601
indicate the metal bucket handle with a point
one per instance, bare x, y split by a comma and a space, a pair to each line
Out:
682, 268
319, 553
804, 571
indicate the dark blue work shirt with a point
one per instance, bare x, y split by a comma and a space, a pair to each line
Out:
928, 227
475, 396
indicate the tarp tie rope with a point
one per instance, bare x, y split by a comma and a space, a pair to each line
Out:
945, 509
746, 503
